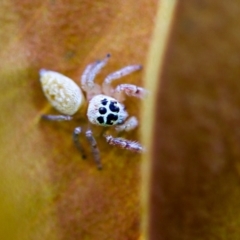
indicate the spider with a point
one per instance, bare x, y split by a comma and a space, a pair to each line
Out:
105, 106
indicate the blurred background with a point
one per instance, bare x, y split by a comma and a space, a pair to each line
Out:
186, 185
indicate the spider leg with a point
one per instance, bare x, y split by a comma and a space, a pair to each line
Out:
118, 74
97, 67
76, 141
90, 72
130, 90
57, 117
128, 125
125, 144
94, 147
84, 77
121, 73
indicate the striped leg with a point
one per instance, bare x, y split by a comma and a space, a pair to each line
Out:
125, 144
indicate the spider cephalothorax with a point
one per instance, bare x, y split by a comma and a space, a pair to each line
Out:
105, 106
106, 111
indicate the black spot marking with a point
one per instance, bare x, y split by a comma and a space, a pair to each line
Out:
112, 107
104, 102
111, 118
100, 120
102, 110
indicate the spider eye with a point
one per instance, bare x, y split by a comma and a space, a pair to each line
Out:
113, 107
100, 120
111, 118
104, 102
102, 110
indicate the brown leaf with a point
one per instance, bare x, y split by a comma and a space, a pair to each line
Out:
194, 181
48, 191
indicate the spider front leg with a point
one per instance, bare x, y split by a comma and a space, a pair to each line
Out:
94, 147
128, 125
89, 74
57, 117
129, 90
116, 75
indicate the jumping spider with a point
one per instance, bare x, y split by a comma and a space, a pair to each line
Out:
104, 103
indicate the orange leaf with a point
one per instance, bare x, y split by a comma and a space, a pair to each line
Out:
48, 191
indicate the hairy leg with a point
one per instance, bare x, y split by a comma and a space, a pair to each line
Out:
76, 141
116, 75
85, 76
125, 144
129, 90
57, 117
90, 72
94, 147
121, 73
